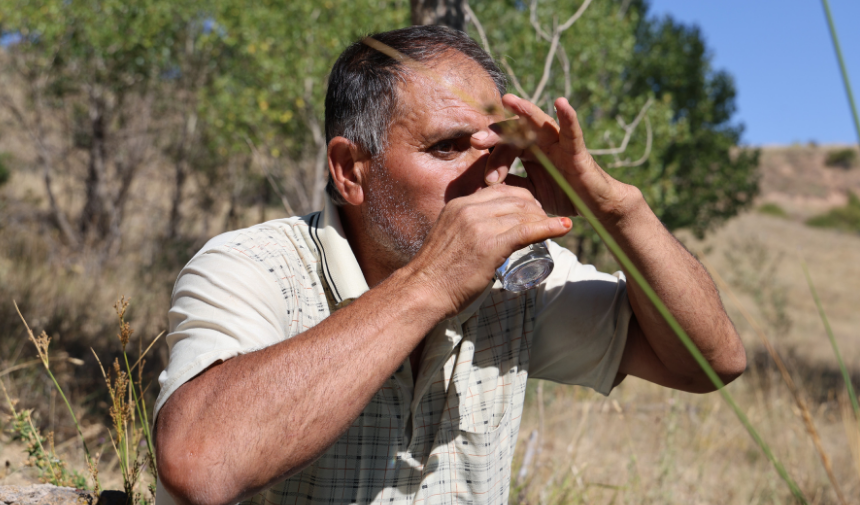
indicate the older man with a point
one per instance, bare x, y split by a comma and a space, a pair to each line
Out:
364, 354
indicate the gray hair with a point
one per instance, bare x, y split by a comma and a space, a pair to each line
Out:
362, 97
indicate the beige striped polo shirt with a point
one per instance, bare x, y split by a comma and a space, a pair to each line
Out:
446, 437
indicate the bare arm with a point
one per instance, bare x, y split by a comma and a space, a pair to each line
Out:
258, 418
285, 404
653, 351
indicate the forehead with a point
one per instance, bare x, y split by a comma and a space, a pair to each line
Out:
452, 88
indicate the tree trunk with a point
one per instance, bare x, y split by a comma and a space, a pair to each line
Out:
95, 218
439, 12
182, 170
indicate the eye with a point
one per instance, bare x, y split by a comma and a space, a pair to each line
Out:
444, 147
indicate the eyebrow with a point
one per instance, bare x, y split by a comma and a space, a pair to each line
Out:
455, 132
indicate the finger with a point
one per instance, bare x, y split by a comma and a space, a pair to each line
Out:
485, 139
508, 221
529, 233
497, 191
499, 163
520, 182
511, 205
544, 126
570, 133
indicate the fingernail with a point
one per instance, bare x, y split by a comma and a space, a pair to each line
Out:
481, 135
492, 177
566, 222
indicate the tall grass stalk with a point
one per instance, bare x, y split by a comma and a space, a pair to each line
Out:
637, 276
41, 344
845, 375
842, 67
137, 397
796, 393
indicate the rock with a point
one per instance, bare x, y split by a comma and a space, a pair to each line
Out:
45, 494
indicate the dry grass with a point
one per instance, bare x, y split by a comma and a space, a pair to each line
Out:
646, 444
643, 444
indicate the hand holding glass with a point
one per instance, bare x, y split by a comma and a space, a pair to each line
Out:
526, 268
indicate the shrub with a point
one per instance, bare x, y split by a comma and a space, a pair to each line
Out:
845, 218
841, 158
772, 209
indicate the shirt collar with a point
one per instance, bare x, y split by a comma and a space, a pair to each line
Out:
339, 265
341, 269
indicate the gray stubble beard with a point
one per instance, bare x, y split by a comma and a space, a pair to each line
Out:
393, 222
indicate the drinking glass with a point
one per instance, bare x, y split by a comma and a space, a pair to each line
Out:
526, 268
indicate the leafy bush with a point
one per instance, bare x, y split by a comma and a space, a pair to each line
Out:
841, 158
772, 209
845, 218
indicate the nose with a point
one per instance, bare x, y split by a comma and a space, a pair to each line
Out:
471, 179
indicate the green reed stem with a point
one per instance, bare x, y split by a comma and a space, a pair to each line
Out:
74, 419
845, 375
844, 71
628, 265
141, 408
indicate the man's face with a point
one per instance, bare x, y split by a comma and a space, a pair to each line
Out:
429, 159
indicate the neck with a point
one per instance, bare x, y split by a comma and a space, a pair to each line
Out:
376, 262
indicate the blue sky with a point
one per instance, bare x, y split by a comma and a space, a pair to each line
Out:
782, 58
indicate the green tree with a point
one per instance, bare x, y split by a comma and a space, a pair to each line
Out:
91, 73
712, 179
654, 112
266, 102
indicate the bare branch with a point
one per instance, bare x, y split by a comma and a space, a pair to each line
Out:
628, 132
514, 80
576, 15
556, 35
565, 67
547, 66
622, 11
43, 154
534, 21
648, 142
478, 26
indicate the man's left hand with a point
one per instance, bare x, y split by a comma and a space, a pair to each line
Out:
564, 145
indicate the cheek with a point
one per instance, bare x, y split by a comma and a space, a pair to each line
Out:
467, 180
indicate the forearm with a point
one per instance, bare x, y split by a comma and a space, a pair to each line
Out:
685, 288
262, 416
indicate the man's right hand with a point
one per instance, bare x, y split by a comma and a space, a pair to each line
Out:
473, 236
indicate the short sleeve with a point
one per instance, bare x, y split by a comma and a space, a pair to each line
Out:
581, 322
224, 304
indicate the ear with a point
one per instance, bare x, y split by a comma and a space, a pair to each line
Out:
348, 165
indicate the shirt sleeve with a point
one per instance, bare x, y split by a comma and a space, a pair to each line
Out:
582, 317
224, 304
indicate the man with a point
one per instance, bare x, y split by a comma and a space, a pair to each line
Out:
363, 354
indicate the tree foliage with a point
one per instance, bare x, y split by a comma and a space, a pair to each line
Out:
228, 95
712, 179
614, 64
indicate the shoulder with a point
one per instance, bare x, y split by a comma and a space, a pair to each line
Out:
271, 261
262, 241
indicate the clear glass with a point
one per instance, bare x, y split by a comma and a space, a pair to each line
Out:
526, 268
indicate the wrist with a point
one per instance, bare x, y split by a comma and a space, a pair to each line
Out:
415, 293
628, 212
